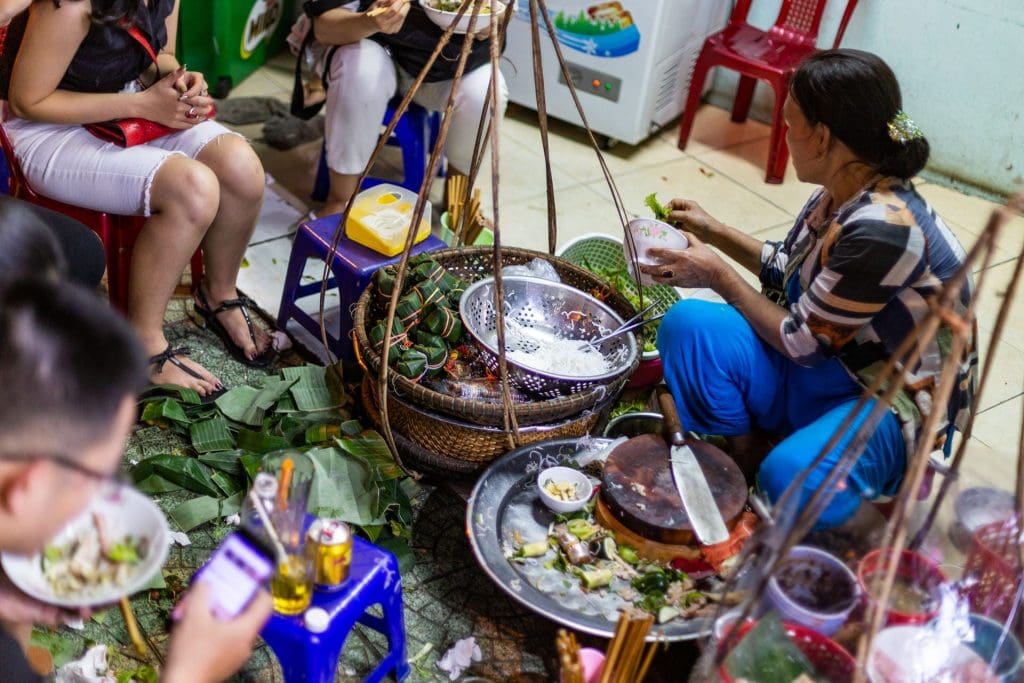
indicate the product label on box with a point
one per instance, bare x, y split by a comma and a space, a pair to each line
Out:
263, 19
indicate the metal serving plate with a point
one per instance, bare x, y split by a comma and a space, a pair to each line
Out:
505, 500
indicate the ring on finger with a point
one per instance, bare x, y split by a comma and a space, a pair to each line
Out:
191, 113
667, 273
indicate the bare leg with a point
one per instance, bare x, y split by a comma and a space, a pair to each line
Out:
184, 202
240, 177
343, 186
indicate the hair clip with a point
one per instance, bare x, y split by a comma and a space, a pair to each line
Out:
902, 128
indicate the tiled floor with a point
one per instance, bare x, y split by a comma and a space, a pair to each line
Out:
722, 169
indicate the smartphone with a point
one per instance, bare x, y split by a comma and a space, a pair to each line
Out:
240, 567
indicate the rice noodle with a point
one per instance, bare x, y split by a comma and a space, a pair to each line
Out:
552, 355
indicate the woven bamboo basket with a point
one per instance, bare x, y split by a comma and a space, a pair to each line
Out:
470, 443
472, 264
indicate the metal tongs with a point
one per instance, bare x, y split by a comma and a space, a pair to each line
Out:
631, 324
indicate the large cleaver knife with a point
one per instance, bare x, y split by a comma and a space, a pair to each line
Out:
700, 505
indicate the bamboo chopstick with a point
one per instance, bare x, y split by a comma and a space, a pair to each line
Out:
628, 658
133, 627
377, 11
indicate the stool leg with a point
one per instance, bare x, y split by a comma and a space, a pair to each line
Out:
293, 278
395, 619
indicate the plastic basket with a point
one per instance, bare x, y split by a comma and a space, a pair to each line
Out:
599, 252
993, 563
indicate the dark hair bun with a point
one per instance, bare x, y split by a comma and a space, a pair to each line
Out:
906, 159
856, 96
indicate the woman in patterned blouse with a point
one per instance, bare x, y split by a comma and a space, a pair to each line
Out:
787, 365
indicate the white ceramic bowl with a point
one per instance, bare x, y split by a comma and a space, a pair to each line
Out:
584, 489
825, 622
126, 512
445, 19
650, 234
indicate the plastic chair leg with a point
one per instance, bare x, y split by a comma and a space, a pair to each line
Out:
700, 72
744, 94
778, 152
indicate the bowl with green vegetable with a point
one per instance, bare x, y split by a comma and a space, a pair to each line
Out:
110, 551
444, 13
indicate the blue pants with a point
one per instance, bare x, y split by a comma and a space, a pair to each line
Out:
726, 380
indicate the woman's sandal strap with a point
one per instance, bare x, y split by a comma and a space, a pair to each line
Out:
171, 355
242, 303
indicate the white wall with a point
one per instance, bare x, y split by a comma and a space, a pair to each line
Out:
960, 64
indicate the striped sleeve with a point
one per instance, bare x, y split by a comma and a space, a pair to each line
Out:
773, 264
876, 255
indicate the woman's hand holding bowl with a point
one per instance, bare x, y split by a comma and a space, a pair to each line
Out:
696, 266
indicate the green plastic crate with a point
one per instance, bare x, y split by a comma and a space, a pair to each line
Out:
605, 252
226, 40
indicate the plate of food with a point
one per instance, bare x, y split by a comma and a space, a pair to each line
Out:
569, 568
445, 12
108, 552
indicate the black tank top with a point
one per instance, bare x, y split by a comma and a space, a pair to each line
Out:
412, 46
109, 58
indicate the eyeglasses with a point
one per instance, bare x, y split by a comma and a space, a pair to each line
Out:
117, 478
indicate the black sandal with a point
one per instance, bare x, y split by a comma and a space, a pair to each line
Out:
242, 303
171, 355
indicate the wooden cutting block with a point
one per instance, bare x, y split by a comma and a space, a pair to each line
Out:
637, 488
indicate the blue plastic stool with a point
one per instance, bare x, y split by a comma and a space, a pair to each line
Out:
352, 266
415, 133
308, 657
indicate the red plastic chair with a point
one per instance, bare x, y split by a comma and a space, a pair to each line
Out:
118, 233
771, 56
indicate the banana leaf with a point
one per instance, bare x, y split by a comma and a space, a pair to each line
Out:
198, 511
310, 391
370, 448
236, 403
227, 484
228, 462
286, 405
154, 484
259, 442
322, 432
251, 464
184, 471
211, 435
184, 394
343, 488
62, 646
163, 412
351, 428
399, 547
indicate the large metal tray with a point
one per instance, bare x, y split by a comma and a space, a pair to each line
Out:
505, 500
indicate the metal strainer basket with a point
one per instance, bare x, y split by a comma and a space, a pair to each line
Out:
538, 311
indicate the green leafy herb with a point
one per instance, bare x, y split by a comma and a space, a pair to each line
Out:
659, 210
125, 551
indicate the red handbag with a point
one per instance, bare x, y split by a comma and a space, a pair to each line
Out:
134, 131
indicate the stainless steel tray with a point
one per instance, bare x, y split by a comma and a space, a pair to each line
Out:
505, 500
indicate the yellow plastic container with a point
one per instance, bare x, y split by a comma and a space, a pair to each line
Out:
380, 219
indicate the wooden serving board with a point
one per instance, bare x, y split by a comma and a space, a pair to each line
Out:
637, 488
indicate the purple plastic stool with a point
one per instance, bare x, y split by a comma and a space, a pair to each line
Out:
308, 657
352, 267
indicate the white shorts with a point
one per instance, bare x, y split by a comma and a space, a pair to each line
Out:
361, 81
70, 164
